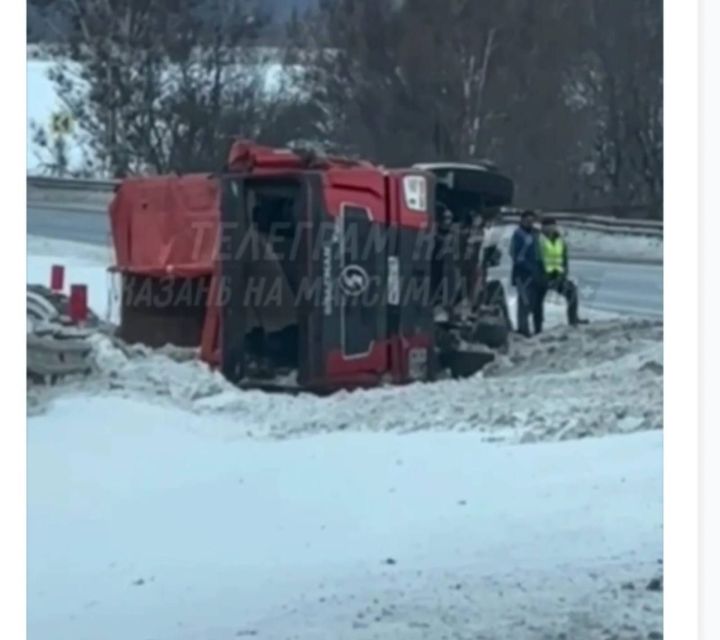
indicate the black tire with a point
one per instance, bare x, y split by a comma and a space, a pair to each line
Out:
495, 188
492, 331
462, 186
464, 364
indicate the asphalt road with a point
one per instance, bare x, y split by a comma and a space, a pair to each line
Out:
92, 228
622, 287
619, 287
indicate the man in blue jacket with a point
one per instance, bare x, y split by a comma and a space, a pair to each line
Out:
527, 273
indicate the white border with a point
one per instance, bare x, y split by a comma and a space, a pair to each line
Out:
681, 344
13, 265
681, 582
709, 317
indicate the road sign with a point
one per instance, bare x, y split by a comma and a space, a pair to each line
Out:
61, 123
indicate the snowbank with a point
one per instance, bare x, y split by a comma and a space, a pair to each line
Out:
596, 244
622, 247
567, 383
165, 503
144, 522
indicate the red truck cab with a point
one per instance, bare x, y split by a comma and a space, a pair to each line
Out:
283, 263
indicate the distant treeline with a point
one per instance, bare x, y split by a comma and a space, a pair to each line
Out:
48, 22
565, 96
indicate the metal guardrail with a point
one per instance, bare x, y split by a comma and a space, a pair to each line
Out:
599, 218
63, 194
605, 224
53, 355
71, 184
95, 195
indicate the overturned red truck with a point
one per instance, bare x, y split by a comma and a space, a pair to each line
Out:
295, 270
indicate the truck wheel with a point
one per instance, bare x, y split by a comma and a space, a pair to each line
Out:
464, 364
491, 330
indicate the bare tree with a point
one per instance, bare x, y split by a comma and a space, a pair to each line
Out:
565, 95
156, 88
621, 78
409, 69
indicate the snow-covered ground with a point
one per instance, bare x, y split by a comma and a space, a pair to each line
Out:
164, 503
578, 379
585, 242
596, 244
605, 378
143, 524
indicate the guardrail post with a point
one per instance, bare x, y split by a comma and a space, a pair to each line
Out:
78, 306
57, 278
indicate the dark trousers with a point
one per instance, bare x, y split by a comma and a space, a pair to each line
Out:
567, 289
529, 303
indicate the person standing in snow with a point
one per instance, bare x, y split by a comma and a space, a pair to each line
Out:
527, 273
553, 250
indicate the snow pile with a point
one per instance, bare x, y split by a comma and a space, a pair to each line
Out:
568, 383
167, 372
164, 502
562, 349
584, 243
614, 245
605, 377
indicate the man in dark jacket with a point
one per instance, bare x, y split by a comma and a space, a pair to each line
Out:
527, 273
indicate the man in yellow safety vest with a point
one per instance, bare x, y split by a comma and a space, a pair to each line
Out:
553, 251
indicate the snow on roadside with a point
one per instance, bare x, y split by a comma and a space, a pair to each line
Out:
591, 243
84, 264
143, 523
567, 383
614, 245
77, 252
164, 502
